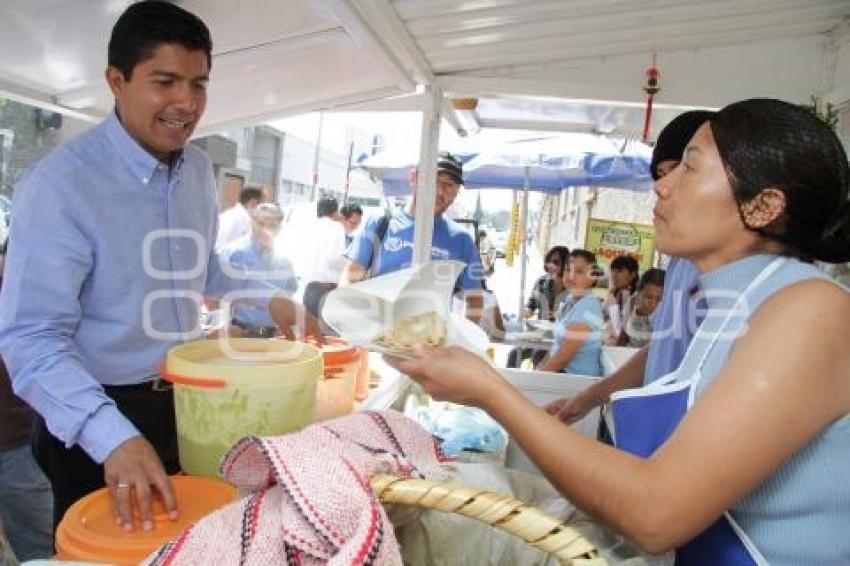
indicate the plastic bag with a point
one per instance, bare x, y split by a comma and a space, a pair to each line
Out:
459, 428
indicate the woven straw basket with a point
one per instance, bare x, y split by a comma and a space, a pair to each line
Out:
528, 523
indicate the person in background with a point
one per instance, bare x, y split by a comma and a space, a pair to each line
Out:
676, 318
374, 253
352, 215
577, 346
487, 251
622, 284
235, 222
549, 289
328, 259
26, 503
637, 326
255, 258
547, 296
740, 456
112, 250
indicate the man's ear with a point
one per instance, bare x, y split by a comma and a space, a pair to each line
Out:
765, 208
414, 179
115, 79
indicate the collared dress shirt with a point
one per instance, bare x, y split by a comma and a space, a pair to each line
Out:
112, 255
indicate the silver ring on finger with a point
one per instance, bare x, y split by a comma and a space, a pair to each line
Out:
122, 486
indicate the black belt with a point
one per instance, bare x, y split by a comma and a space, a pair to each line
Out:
155, 384
256, 331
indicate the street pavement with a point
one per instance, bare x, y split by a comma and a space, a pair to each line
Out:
505, 281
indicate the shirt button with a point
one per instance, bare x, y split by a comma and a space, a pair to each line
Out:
145, 180
176, 247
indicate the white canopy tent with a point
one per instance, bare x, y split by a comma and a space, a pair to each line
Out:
557, 65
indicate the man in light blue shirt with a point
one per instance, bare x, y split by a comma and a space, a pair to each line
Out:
254, 257
112, 252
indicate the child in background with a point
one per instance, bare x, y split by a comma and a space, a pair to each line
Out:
637, 327
622, 286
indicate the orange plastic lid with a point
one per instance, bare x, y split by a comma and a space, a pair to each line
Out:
337, 351
88, 531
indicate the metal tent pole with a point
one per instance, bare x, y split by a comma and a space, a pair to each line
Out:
426, 188
523, 222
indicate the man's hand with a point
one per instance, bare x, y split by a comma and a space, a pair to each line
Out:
286, 314
130, 471
569, 409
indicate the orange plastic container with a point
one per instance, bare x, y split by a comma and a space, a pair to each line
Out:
335, 390
361, 387
88, 532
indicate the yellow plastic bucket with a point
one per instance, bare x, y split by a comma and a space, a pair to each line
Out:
227, 389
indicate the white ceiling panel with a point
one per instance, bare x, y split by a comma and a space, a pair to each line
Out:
555, 63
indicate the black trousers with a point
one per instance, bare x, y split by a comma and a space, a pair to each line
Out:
314, 302
71, 471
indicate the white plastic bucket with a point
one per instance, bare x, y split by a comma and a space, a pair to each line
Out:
227, 389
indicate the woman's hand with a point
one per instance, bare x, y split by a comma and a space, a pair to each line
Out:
569, 410
450, 374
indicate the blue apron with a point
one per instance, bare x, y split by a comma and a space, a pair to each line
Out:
645, 418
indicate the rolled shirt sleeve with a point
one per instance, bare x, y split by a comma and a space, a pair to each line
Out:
362, 247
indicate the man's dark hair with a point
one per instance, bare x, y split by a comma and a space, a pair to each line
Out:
145, 26
326, 206
675, 136
250, 193
589, 257
349, 209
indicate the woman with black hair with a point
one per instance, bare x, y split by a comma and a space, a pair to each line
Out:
741, 455
550, 287
622, 284
545, 298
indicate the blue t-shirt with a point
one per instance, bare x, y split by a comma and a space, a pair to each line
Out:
587, 360
675, 321
450, 241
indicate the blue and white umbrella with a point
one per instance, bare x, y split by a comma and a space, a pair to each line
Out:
552, 164
548, 164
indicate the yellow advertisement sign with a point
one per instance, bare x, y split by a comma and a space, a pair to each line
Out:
609, 239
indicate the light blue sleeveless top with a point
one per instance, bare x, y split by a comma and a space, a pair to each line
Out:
803, 509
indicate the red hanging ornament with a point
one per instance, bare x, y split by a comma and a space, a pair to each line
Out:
650, 88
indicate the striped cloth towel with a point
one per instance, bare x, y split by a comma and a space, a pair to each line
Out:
307, 497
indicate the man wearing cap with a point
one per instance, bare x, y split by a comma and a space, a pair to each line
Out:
377, 250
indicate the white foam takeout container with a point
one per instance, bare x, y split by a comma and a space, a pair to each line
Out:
361, 311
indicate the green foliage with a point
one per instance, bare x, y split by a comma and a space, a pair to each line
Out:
825, 111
